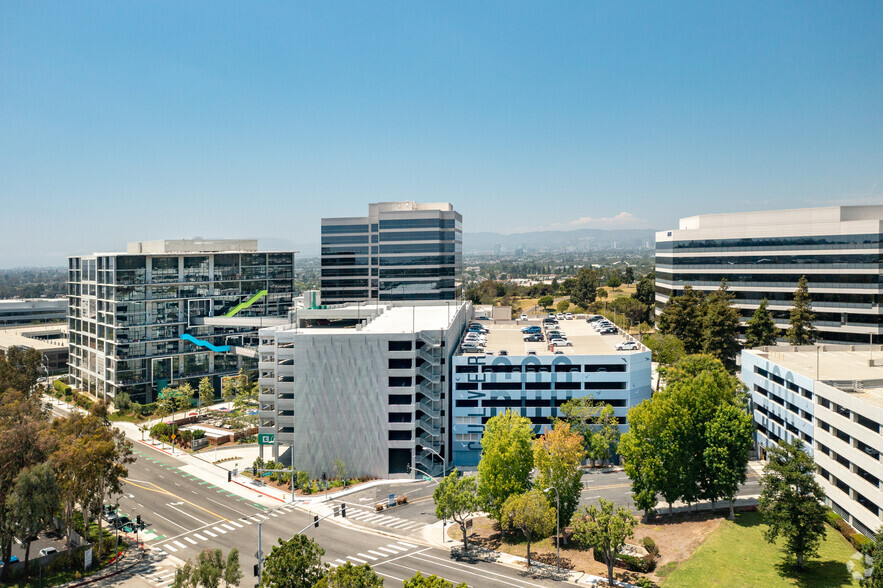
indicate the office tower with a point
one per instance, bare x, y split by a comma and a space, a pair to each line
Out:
764, 254
401, 251
127, 312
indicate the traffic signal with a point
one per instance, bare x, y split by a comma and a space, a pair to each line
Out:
138, 520
229, 476
343, 510
324, 477
316, 521
256, 570
254, 471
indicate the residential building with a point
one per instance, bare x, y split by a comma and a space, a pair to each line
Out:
830, 397
764, 254
129, 312
50, 340
401, 251
534, 379
25, 311
365, 383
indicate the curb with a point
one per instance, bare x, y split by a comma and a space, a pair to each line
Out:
259, 492
110, 575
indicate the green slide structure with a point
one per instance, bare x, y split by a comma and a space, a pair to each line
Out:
246, 304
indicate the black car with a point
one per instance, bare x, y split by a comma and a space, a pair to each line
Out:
609, 331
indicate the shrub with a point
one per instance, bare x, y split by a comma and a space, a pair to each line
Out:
62, 387
862, 543
378, 507
642, 565
148, 408
403, 499
650, 546
644, 582
198, 434
302, 480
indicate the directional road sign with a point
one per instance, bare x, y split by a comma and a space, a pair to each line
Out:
266, 438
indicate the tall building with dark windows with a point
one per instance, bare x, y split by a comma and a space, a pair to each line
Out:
401, 251
764, 254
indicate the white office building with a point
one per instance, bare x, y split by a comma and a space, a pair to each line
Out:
401, 251
364, 383
764, 254
141, 320
534, 380
25, 311
831, 397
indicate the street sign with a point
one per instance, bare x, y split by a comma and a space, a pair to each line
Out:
235, 471
392, 500
266, 438
87, 558
427, 478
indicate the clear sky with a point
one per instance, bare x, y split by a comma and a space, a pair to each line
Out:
123, 121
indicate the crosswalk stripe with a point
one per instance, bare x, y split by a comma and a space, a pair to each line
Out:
367, 556
356, 559
332, 564
235, 524
179, 544
219, 530
407, 545
273, 514
412, 526
209, 533
200, 537
396, 547
377, 553
341, 561
170, 548
400, 523
189, 540
228, 527
386, 550
246, 521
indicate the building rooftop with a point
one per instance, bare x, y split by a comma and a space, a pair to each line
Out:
857, 369
7, 303
49, 337
580, 333
192, 245
380, 317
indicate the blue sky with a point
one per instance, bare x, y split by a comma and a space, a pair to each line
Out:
122, 121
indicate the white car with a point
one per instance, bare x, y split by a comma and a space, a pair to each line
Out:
47, 551
560, 317
558, 342
627, 346
523, 316
568, 316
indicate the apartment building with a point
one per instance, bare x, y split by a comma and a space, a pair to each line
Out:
764, 254
534, 380
365, 383
128, 312
24, 311
401, 251
831, 397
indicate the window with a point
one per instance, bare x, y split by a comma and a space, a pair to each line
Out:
607, 367
467, 437
466, 403
567, 385
467, 386
868, 423
501, 386
467, 420
467, 369
400, 417
400, 345
400, 364
400, 399
537, 385
400, 382
400, 435
605, 386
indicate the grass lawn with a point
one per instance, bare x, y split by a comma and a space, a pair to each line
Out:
737, 555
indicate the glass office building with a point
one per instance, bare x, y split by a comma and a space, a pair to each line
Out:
401, 251
764, 254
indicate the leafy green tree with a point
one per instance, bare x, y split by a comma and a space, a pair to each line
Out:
683, 317
721, 327
418, 580
122, 401
629, 276
581, 413
557, 456
791, 500
645, 291
340, 471
761, 329
206, 393
640, 460
209, 569
874, 567
802, 331
629, 307
32, 504
665, 350
165, 404
506, 460
728, 437
351, 576
183, 397
584, 288
456, 498
546, 301
530, 514
604, 529
601, 293
295, 563
228, 389
20, 368
562, 305
232, 569
605, 439
614, 280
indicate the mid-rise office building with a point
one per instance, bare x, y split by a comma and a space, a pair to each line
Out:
364, 383
129, 313
24, 311
830, 397
50, 340
401, 251
764, 254
534, 380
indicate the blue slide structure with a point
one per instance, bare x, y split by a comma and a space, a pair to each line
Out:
206, 344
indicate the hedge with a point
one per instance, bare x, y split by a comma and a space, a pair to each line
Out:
859, 541
642, 565
61, 387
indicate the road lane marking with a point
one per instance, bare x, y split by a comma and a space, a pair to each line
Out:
465, 568
229, 528
201, 522
170, 548
246, 521
209, 533
179, 544
356, 559
189, 540
407, 545
366, 556
341, 561
396, 547
225, 506
171, 521
377, 553
236, 524
385, 549
160, 490
200, 537
222, 531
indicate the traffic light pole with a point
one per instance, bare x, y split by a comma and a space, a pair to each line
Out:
260, 554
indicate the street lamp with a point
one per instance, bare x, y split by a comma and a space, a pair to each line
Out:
444, 461
557, 527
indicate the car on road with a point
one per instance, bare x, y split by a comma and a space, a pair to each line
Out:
561, 342
121, 522
627, 346
47, 551
523, 316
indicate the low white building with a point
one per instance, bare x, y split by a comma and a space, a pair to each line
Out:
24, 311
831, 397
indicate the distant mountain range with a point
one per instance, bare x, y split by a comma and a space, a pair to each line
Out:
485, 242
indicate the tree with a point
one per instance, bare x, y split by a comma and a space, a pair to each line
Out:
629, 276
166, 403
32, 504
601, 293
206, 393
729, 436
456, 498
563, 305
295, 563
584, 288
629, 307
614, 280
581, 413
546, 301
557, 456
183, 397
232, 570
683, 318
209, 569
606, 434
228, 389
122, 401
605, 530
802, 331
350, 576
665, 350
721, 327
791, 500
20, 368
418, 580
530, 514
506, 460
340, 471
761, 329
874, 568
645, 290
